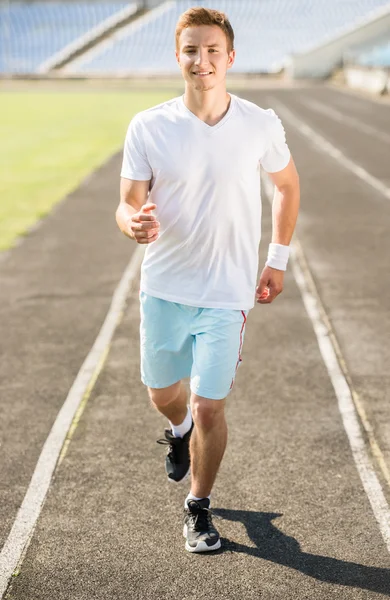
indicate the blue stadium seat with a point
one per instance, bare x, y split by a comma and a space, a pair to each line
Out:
32, 32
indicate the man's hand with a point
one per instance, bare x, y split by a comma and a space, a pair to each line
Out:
270, 285
143, 226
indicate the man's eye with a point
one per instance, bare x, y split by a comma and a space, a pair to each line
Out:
212, 50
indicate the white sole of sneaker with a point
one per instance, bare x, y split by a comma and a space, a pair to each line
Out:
201, 546
186, 476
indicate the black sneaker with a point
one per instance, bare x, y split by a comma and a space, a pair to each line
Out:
177, 462
199, 530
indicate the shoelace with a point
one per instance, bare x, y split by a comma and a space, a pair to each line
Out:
201, 517
171, 443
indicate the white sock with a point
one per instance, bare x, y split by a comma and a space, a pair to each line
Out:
183, 428
192, 497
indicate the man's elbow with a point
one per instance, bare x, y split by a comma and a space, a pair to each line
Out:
291, 187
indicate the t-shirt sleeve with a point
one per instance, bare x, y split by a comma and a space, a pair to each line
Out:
277, 154
135, 164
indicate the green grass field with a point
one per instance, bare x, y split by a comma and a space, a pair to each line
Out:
50, 141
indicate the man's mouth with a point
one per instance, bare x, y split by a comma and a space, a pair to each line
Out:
202, 73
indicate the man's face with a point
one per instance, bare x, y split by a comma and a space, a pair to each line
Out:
203, 56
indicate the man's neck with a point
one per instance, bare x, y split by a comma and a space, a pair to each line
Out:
210, 106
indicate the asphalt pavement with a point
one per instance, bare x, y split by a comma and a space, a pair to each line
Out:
295, 520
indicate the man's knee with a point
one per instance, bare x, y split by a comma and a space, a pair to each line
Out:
164, 396
207, 413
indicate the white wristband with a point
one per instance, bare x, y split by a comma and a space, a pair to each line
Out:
278, 256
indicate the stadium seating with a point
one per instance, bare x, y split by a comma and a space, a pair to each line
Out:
32, 32
266, 32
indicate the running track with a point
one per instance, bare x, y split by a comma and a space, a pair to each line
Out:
304, 495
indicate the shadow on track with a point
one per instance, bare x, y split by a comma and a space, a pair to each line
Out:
275, 546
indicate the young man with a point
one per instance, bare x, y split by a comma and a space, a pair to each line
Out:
190, 190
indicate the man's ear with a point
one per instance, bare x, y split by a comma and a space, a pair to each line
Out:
231, 59
177, 57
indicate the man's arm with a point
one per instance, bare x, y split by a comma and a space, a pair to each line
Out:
285, 203
133, 214
285, 208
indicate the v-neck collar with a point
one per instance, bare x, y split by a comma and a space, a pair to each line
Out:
206, 127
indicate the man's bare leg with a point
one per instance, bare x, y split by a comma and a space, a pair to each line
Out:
170, 401
208, 443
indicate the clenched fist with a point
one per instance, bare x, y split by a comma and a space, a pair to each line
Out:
143, 226
270, 285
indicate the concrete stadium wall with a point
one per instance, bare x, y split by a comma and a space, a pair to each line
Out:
320, 60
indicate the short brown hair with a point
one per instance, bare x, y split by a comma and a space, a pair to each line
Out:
205, 16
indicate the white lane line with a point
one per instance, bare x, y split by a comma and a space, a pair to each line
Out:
322, 144
344, 119
315, 310
28, 514
375, 449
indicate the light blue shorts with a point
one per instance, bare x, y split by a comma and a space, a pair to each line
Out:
179, 341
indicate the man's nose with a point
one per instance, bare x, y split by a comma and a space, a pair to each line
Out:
203, 57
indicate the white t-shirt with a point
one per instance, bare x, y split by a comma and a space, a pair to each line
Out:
205, 181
